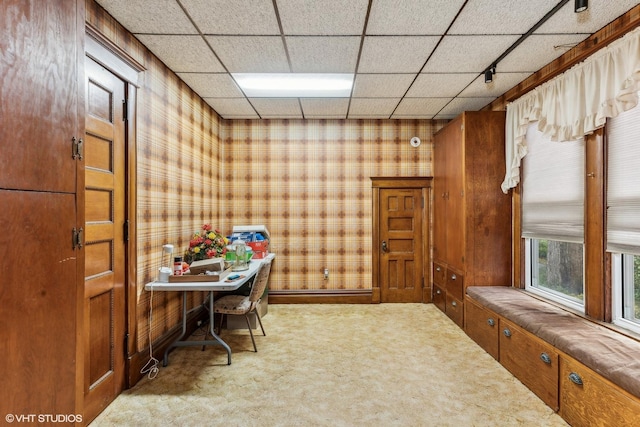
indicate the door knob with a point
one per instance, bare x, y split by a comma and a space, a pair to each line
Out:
384, 246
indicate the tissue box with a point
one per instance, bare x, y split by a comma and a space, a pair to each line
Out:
260, 249
211, 264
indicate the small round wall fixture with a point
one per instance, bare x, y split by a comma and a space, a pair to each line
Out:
415, 141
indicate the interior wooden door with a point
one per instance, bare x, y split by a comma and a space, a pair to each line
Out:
401, 253
104, 291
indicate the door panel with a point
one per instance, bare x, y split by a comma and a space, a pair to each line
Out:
38, 95
38, 302
401, 258
104, 306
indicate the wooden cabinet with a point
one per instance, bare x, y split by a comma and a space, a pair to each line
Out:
531, 360
587, 399
472, 217
40, 294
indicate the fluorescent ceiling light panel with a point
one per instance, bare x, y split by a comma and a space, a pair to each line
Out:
295, 85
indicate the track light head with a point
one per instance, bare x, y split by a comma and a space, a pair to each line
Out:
488, 74
581, 6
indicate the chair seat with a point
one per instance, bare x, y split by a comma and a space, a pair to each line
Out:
232, 304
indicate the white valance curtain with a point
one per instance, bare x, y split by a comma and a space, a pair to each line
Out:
576, 102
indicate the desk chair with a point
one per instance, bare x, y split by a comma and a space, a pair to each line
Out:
240, 304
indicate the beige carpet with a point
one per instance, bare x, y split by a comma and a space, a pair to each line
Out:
335, 365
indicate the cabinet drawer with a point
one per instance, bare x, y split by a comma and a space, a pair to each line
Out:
439, 275
596, 401
455, 284
482, 326
531, 360
455, 310
439, 298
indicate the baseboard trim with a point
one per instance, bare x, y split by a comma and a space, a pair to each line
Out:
323, 296
137, 361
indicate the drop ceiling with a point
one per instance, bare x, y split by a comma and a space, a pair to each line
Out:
411, 58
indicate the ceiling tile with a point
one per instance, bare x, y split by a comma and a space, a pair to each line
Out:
229, 108
182, 53
251, 54
224, 17
323, 54
500, 16
458, 105
150, 16
501, 83
212, 85
599, 14
381, 85
467, 53
269, 108
326, 17
412, 17
537, 51
440, 85
395, 54
329, 107
419, 107
369, 107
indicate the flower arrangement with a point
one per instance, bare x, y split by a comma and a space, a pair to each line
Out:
206, 243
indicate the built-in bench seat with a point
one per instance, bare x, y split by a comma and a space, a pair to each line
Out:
614, 356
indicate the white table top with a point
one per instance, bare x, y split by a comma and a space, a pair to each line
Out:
222, 285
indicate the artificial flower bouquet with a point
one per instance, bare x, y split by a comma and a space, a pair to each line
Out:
206, 243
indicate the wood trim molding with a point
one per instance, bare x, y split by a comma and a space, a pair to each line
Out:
579, 53
107, 53
594, 233
323, 296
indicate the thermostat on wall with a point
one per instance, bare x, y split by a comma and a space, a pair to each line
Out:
415, 141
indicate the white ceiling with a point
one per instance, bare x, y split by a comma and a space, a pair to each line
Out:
411, 58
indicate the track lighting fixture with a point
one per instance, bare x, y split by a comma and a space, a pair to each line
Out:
581, 5
488, 74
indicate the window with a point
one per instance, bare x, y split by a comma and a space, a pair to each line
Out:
623, 216
553, 218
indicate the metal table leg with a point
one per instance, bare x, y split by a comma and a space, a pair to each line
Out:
185, 343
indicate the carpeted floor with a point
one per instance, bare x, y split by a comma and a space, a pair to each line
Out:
335, 365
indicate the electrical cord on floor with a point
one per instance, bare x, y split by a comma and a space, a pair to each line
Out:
151, 367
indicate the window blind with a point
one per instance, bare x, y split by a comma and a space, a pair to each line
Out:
623, 183
553, 188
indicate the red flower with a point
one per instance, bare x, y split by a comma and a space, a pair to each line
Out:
207, 227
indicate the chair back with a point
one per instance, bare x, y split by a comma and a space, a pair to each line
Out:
260, 282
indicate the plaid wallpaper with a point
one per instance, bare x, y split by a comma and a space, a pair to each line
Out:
308, 181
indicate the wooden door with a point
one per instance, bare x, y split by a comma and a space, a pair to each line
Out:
440, 197
104, 292
401, 253
455, 210
38, 313
38, 94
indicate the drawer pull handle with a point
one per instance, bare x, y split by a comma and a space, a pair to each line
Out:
453, 303
491, 322
507, 332
438, 269
575, 378
438, 292
545, 358
453, 277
